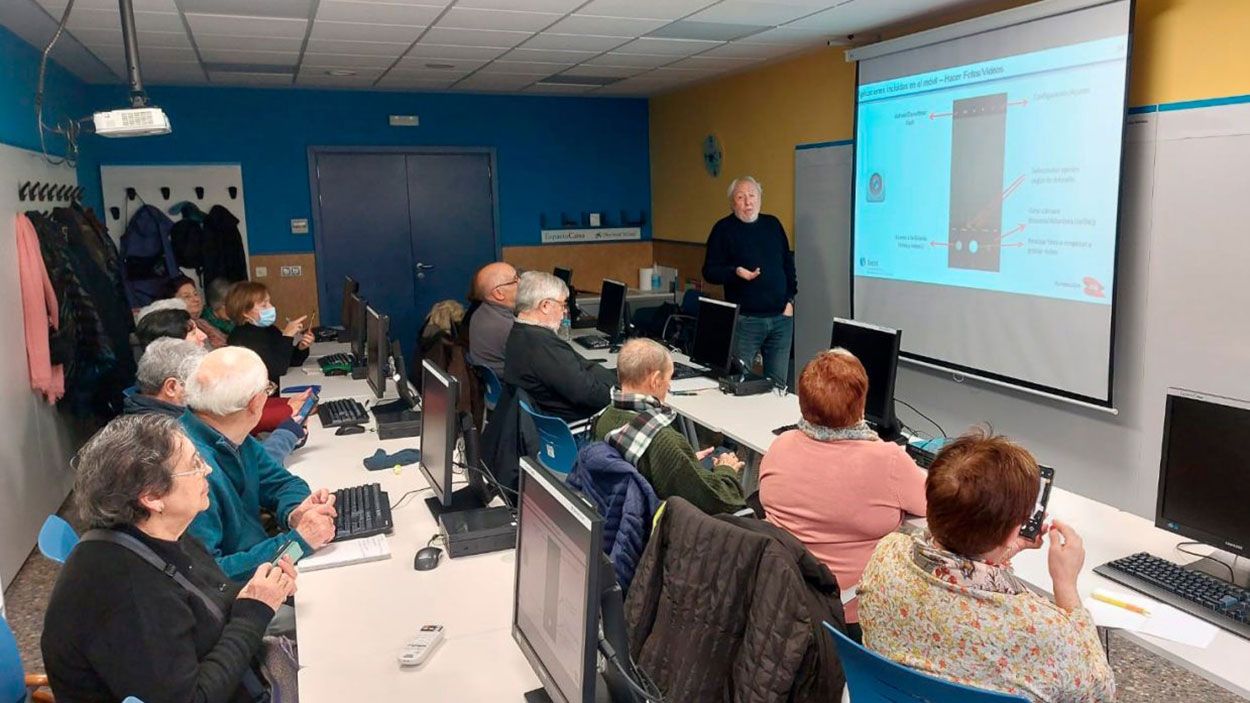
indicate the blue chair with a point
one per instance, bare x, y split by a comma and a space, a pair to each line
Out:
874, 679
16, 684
559, 448
493, 387
56, 539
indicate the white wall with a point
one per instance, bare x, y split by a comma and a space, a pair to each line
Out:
1181, 313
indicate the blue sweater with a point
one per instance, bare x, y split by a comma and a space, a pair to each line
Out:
279, 444
244, 480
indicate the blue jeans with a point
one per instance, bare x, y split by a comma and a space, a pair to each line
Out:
770, 335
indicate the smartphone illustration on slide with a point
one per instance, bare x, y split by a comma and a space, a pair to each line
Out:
551, 600
978, 140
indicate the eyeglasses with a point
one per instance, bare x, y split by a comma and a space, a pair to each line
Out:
270, 388
515, 280
200, 468
562, 303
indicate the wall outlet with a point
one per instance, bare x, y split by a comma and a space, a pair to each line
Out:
262, 271
404, 120
299, 225
291, 271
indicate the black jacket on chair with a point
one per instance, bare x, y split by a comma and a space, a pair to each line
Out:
561, 381
509, 435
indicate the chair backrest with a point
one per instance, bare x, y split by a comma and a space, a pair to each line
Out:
872, 678
493, 387
56, 539
558, 449
690, 302
12, 677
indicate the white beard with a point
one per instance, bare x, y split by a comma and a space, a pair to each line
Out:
754, 217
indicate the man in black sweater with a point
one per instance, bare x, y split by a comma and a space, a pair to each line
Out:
749, 254
536, 360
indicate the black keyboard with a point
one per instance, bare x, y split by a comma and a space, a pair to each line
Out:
923, 457
593, 341
681, 371
342, 412
363, 511
1218, 602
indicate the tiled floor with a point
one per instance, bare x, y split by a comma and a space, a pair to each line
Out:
1141, 677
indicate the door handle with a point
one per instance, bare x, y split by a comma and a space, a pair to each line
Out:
424, 267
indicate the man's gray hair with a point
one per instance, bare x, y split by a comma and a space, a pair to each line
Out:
537, 286
226, 381
639, 358
733, 185
216, 292
130, 456
167, 358
164, 304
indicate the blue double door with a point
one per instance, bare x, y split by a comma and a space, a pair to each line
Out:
411, 227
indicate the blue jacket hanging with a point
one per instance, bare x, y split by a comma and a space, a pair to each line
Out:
623, 497
147, 256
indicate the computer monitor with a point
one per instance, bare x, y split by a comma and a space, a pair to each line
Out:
1203, 489
876, 348
441, 428
555, 618
356, 326
350, 286
376, 350
612, 309
565, 275
399, 373
713, 345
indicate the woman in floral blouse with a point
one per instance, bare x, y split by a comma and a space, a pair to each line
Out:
946, 602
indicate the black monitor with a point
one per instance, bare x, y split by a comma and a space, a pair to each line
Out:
441, 427
350, 286
565, 275
876, 348
1203, 489
356, 328
713, 344
376, 350
555, 615
612, 309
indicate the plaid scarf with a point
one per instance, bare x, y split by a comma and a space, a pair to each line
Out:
633, 438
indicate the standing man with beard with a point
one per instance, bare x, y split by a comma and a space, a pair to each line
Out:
748, 253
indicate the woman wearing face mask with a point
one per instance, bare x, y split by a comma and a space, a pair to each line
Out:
254, 316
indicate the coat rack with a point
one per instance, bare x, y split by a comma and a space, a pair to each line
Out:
41, 192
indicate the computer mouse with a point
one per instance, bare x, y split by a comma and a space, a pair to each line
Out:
427, 558
349, 429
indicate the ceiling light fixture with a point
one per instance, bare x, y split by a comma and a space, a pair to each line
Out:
340, 72
441, 66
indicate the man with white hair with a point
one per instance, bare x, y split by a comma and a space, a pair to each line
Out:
561, 381
749, 254
660, 453
226, 395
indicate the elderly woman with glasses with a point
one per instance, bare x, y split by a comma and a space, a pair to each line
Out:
140, 607
184, 289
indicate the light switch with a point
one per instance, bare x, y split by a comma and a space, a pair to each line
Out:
262, 271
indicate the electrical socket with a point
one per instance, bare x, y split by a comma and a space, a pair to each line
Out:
262, 271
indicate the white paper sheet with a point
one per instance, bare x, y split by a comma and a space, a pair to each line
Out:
1164, 621
352, 551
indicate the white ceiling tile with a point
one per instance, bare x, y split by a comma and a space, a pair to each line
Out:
495, 81
56, 7
434, 3
226, 41
666, 47
266, 58
712, 63
360, 48
363, 76
630, 60
111, 19
574, 42
853, 17
559, 89
522, 68
683, 74
378, 13
421, 79
568, 58
751, 12
475, 37
606, 26
603, 71
789, 35
113, 37
149, 55
356, 31
352, 61
256, 79
472, 18
243, 26
461, 66
750, 50
445, 51
656, 9
531, 5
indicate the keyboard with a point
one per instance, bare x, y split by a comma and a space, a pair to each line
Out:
363, 511
337, 364
593, 341
342, 412
923, 457
1218, 602
681, 371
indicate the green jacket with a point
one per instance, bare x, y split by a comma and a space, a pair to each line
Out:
225, 326
671, 467
244, 480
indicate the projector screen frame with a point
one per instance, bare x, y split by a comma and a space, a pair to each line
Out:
988, 23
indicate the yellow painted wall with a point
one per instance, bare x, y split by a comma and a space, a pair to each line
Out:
1183, 50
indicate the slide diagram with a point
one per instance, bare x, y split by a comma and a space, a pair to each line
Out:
1002, 175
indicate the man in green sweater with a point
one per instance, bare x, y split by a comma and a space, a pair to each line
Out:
638, 424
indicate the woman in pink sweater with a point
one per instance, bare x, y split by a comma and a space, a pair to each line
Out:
833, 483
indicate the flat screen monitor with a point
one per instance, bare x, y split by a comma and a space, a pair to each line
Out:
350, 287
1204, 489
612, 309
555, 617
376, 350
565, 275
876, 348
439, 428
713, 345
356, 327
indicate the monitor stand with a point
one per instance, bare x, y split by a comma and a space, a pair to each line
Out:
466, 498
359, 373
890, 433
397, 420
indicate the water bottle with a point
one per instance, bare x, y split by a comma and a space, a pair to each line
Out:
566, 328
655, 277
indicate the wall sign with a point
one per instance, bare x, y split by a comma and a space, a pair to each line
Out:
590, 234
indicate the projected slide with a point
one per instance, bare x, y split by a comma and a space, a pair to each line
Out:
1001, 175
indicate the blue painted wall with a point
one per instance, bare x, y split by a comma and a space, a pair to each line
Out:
66, 96
553, 154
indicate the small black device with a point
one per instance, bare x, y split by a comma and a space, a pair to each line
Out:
344, 430
784, 429
923, 456
477, 531
350, 287
747, 384
427, 558
681, 371
363, 511
376, 350
342, 411
1033, 527
713, 344
403, 417
876, 347
290, 549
